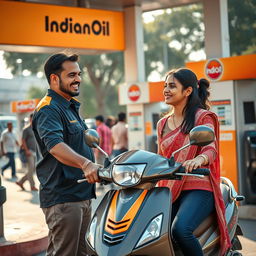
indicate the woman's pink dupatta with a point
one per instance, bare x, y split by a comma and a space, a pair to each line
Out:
174, 140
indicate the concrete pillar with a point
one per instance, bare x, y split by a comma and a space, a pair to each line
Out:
134, 67
216, 28
134, 54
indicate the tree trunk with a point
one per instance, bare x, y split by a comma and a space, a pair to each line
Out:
101, 99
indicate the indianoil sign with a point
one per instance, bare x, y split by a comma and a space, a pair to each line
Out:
224, 69
24, 106
134, 92
214, 69
58, 26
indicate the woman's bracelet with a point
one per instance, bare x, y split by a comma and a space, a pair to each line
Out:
205, 159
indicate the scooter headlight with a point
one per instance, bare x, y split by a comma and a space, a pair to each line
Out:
152, 231
127, 175
91, 232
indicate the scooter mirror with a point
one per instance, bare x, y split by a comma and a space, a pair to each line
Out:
201, 135
92, 138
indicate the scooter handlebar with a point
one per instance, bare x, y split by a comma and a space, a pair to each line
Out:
103, 179
202, 171
199, 171
100, 173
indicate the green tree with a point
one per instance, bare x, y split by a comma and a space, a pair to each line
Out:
242, 26
35, 92
172, 36
30, 61
101, 75
104, 72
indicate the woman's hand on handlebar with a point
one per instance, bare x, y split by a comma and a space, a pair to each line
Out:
194, 163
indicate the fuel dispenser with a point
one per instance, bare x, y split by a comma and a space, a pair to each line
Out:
250, 164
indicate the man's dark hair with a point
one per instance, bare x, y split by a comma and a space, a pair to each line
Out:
99, 118
54, 64
121, 116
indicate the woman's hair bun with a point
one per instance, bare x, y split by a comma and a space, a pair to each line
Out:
203, 83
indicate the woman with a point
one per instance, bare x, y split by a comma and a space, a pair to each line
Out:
193, 198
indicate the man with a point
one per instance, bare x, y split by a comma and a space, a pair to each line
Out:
8, 147
105, 139
29, 145
119, 135
59, 132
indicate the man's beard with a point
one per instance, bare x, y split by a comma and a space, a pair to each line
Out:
65, 90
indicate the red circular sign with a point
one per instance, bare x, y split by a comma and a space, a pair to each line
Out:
214, 69
134, 92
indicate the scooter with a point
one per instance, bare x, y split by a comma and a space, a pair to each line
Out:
135, 220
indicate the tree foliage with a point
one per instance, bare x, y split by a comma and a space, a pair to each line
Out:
242, 26
101, 75
35, 92
172, 36
30, 61
104, 72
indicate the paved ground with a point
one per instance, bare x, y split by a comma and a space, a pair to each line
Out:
248, 240
23, 219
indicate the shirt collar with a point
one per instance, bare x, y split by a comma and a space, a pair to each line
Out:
64, 102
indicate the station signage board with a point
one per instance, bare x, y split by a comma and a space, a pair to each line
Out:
225, 69
24, 106
134, 92
214, 69
32, 24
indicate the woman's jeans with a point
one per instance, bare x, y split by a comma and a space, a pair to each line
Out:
188, 211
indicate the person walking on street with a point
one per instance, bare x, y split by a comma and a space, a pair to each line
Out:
29, 145
59, 132
110, 121
105, 139
9, 143
119, 135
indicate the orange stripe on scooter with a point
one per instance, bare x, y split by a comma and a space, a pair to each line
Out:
123, 225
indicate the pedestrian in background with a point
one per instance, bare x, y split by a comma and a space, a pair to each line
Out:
105, 139
59, 132
9, 143
29, 145
110, 121
119, 135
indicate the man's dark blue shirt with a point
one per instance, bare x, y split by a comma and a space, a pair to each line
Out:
57, 120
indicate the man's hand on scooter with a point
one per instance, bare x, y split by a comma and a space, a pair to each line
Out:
90, 170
